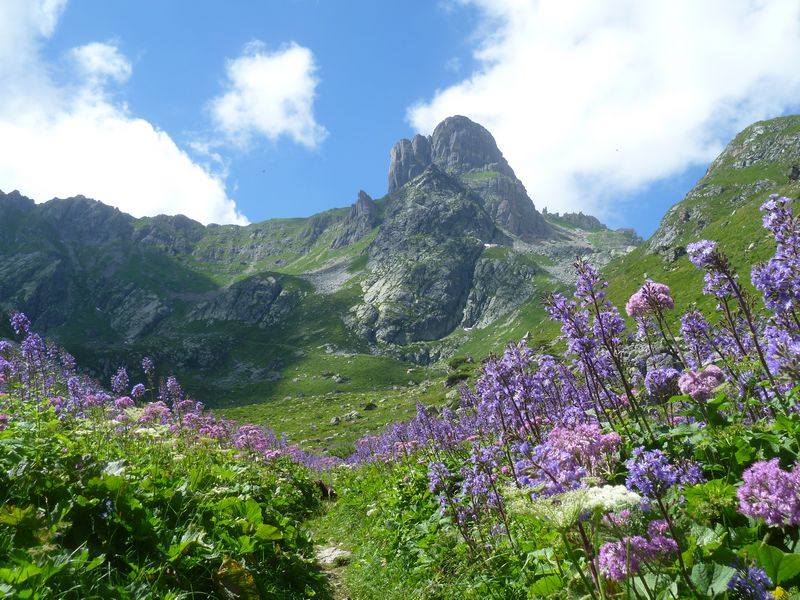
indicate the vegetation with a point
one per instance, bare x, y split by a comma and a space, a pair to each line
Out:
659, 465
106, 497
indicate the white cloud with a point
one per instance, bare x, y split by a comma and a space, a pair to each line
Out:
99, 62
591, 100
270, 94
60, 140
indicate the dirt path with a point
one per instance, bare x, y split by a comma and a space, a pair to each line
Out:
333, 561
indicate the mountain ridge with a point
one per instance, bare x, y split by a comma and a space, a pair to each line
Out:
400, 281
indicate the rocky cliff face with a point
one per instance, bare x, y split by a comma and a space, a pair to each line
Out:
422, 260
362, 219
452, 247
468, 151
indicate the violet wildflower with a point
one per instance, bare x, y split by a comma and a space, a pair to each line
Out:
698, 335
123, 402
138, 390
587, 444
657, 527
783, 352
20, 323
548, 470
779, 278
3, 421
650, 473
650, 297
157, 412
119, 381
620, 559
701, 253
751, 584
148, 366
662, 383
770, 493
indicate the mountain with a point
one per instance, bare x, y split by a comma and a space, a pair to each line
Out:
450, 260
724, 206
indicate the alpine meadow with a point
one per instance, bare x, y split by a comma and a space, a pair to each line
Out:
439, 391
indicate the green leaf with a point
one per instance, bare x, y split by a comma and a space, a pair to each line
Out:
268, 532
14, 515
252, 511
192, 537
779, 566
712, 579
545, 586
96, 562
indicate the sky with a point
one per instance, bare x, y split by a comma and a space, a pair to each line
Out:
239, 111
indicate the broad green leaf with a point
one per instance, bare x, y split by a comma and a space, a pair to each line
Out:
268, 532
14, 515
96, 562
193, 536
779, 566
712, 579
545, 586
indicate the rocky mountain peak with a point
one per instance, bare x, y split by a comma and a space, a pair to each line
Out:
364, 205
467, 151
459, 145
81, 218
362, 218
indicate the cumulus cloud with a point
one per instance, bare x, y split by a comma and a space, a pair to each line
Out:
269, 94
592, 100
61, 140
98, 62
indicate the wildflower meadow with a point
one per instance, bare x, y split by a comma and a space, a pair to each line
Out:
644, 455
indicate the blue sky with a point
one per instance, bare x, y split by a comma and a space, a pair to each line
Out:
233, 111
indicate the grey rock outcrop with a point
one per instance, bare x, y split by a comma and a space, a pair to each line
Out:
256, 301
499, 285
424, 256
407, 160
362, 219
462, 148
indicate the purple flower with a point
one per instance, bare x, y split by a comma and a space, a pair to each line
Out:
3, 421
696, 332
702, 253
751, 584
783, 351
650, 473
123, 402
587, 444
661, 383
770, 493
651, 297
148, 366
119, 381
20, 323
618, 560
138, 390
547, 469
155, 412
701, 386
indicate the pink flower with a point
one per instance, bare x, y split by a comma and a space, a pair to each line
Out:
650, 297
700, 386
